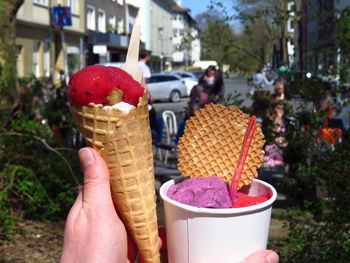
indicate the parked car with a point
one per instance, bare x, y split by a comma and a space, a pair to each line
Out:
167, 86
197, 72
189, 78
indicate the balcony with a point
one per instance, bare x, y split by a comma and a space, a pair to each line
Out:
109, 39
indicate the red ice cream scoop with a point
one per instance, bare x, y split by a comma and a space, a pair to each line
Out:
103, 85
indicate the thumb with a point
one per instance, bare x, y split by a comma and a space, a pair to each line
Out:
262, 256
96, 189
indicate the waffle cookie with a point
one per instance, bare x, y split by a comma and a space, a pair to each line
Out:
212, 143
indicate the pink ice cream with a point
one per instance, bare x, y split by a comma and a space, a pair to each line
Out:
210, 192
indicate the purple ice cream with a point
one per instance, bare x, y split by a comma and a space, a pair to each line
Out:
208, 192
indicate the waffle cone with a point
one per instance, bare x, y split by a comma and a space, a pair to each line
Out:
212, 143
124, 140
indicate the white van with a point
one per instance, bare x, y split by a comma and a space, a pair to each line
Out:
204, 64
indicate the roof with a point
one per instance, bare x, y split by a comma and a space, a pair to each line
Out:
178, 8
185, 11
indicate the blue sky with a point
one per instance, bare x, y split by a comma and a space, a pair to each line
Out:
199, 6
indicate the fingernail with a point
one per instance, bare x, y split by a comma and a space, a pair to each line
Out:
272, 257
86, 157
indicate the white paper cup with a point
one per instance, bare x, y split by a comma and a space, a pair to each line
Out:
209, 235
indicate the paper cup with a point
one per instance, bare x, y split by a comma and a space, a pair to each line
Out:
207, 235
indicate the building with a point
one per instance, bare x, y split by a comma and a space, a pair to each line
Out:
317, 52
291, 37
195, 45
161, 34
106, 28
100, 33
186, 44
43, 47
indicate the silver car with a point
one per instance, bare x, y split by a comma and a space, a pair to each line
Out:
189, 78
167, 86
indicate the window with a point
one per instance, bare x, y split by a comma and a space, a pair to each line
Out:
40, 2
46, 64
74, 8
101, 21
171, 78
36, 68
112, 23
91, 18
174, 32
132, 14
120, 2
161, 31
184, 75
156, 79
19, 60
120, 29
292, 24
181, 32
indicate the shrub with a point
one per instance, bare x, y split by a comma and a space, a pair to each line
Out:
37, 177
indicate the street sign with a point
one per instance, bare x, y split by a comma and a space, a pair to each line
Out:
62, 16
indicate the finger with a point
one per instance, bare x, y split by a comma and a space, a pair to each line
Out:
262, 256
96, 189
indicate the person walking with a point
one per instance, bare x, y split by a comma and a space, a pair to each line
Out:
260, 81
212, 82
144, 58
210, 89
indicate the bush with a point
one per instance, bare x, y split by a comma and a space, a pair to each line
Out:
318, 178
37, 177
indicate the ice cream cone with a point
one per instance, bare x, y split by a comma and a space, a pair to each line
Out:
124, 141
212, 143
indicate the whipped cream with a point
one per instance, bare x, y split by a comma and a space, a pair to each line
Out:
122, 106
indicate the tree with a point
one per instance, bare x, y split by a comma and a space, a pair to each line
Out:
220, 42
272, 14
8, 11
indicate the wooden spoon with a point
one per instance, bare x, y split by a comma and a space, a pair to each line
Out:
132, 56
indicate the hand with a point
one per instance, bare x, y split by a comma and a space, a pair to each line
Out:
262, 256
94, 232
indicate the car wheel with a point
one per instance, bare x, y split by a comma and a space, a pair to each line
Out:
175, 96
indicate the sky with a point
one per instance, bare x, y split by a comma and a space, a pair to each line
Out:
200, 6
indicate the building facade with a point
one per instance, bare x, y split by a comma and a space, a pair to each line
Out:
107, 35
42, 47
100, 33
161, 34
186, 44
315, 35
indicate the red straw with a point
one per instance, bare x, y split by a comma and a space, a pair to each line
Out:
248, 137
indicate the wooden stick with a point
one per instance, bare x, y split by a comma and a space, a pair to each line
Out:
132, 56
